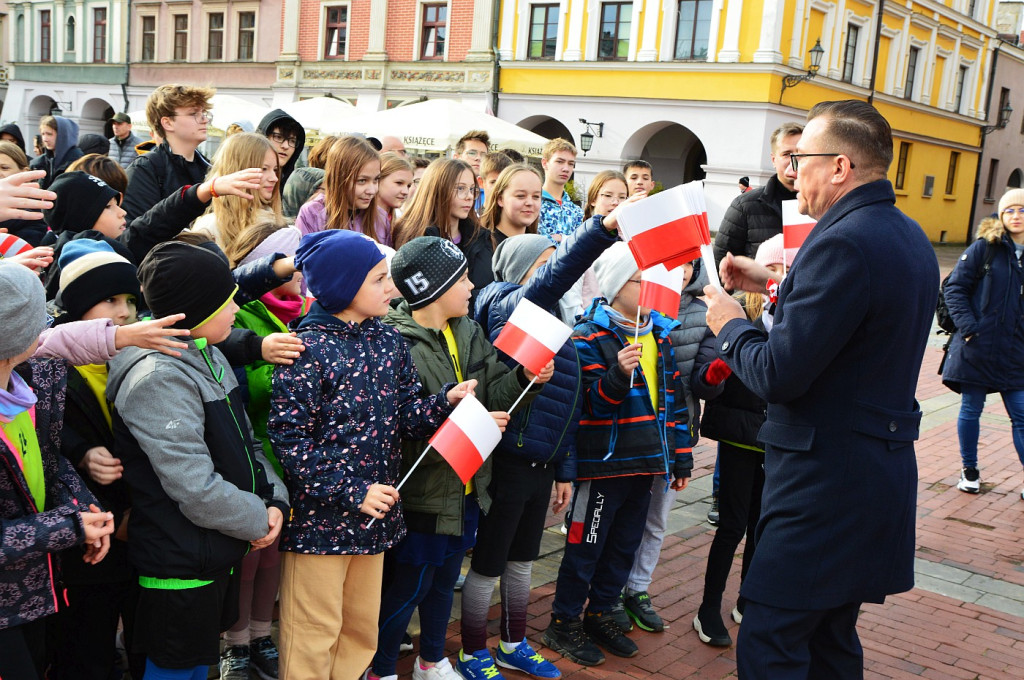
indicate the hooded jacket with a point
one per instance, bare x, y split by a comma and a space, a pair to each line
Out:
65, 152
14, 131
751, 219
200, 484
29, 573
621, 433
300, 187
279, 118
337, 417
988, 309
155, 175
433, 497
545, 431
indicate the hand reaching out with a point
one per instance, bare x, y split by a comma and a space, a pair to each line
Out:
460, 391
155, 334
21, 197
243, 183
281, 348
35, 259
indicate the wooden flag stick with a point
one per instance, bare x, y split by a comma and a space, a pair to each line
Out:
406, 478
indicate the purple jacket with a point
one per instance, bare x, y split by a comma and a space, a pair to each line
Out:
29, 539
313, 218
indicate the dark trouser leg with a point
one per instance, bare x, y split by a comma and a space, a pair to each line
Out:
625, 533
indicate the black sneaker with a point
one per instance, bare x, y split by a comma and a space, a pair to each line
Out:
566, 637
234, 663
711, 629
713, 512
263, 657
640, 610
970, 480
620, 615
603, 630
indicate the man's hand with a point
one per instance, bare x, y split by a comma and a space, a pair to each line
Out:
743, 273
611, 222
21, 197
275, 520
629, 358
379, 499
101, 465
722, 308
544, 375
281, 348
563, 494
154, 334
463, 389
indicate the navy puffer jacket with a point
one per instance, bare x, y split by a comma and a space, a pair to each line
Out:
545, 431
989, 310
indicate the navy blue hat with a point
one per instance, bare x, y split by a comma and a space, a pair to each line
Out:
334, 264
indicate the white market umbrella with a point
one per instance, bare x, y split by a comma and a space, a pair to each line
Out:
437, 124
319, 112
228, 109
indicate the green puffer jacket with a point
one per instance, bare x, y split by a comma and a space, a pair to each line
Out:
432, 499
256, 317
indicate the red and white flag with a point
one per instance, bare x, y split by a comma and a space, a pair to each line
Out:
532, 336
668, 228
795, 229
467, 438
661, 288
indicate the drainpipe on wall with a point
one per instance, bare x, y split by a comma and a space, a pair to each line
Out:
496, 75
127, 58
981, 146
874, 59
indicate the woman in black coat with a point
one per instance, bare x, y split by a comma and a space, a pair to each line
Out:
985, 296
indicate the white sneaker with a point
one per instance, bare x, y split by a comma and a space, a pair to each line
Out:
366, 676
737, 615
442, 670
970, 480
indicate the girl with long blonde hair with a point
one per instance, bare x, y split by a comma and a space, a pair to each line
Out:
349, 201
229, 215
513, 204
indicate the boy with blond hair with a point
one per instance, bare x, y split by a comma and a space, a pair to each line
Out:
179, 114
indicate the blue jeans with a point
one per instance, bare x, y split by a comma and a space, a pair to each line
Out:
972, 403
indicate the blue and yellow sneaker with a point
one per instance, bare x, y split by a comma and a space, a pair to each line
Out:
525, 659
477, 666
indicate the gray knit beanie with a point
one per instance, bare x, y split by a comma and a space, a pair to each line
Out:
22, 309
516, 254
613, 269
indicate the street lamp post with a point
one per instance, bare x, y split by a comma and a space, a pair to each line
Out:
587, 137
816, 52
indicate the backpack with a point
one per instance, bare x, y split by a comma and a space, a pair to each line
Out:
942, 316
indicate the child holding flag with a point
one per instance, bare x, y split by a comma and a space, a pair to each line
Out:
336, 418
441, 512
634, 426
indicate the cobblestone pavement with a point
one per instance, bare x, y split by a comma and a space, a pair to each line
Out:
963, 620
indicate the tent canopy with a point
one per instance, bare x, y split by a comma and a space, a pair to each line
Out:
319, 112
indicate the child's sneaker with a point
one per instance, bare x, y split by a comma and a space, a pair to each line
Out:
603, 630
567, 637
620, 615
234, 663
366, 676
477, 666
442, 670
524, 658
263, 657
970, 480
641, 610
406, 644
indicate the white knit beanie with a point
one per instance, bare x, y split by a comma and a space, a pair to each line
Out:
1011, 197
613, 269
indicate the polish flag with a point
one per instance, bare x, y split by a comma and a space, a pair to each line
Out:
467, 438
532, 336
661, 288
795, 229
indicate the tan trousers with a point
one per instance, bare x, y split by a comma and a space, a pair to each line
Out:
329, 610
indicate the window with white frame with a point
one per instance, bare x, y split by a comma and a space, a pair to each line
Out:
180, 37
433, 31
961, 82
99, 35
246, 36
912, 58
148, 42
543, 31
335, 32
850, 53
45, 35
613, 43
69, 35
693, 30
215, 36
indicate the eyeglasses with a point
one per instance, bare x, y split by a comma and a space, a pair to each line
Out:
463, 191
1014, 211
472, 153
197, 116
292, 141
794, 159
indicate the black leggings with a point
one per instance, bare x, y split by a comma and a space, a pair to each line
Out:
22, 650
741, 482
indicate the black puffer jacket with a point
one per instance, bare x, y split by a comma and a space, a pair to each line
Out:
156, 175
752, 219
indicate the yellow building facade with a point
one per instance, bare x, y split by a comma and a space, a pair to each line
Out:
697, 86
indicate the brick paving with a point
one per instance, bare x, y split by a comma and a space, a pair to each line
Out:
964, 620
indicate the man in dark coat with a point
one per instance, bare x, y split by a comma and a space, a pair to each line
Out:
756, 214
839, 372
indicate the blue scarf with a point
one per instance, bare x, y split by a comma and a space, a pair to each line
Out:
17, 398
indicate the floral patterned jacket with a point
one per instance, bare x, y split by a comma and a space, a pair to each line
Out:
337, 417
29, 575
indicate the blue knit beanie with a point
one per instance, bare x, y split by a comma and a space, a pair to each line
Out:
334, 264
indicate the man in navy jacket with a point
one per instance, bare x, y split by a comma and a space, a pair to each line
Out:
839, 372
